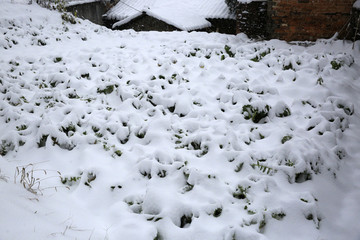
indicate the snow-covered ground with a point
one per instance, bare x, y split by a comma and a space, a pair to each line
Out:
123, 135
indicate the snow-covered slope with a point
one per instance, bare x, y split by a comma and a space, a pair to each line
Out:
125, 135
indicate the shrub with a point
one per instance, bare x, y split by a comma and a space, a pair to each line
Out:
336, 65
278, 215
285, 113
70, 180
254, 113
288, 67
217, 212
240, 192
286, 138
107, 90
228, 51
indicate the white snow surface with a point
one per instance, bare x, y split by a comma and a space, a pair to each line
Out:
186, 15
175, 135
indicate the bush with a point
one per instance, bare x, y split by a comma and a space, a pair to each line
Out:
68, 17
336, 65
286, 112
254, 113
286, 138
228, 51
59, 5
5, 147
107, 90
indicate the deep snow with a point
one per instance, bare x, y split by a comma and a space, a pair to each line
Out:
174, 135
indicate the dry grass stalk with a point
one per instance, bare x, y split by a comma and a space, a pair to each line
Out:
26, 177
3, 177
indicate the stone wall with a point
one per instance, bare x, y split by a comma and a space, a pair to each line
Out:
307, 19
147, 23
252, 19
227, 26
352, 32
92, 11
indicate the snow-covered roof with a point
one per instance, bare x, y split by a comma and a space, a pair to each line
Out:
186, 14
69, 3
214, 9
357, 4
186, 21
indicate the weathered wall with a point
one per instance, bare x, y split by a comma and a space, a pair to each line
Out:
352, 32
252, 19
91, 11
307, 19
227, 26
147, 23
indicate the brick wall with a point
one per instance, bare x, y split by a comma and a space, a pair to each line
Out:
307, 19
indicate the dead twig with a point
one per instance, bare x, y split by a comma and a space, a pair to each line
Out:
3, 177
25, 176
27, 179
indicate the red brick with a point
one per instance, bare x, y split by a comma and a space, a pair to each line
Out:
308, 21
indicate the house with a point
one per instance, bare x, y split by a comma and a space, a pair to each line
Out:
294, 19
92, 10
171, 15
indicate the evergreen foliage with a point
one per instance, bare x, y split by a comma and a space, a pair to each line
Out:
232, 5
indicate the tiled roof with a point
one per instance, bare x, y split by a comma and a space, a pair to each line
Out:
215, 9
185, 14
77, 2
126, 8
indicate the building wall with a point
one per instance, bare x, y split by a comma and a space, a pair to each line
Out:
92, 11
307, 19
352, 31
252, 19
147, 23
227, 26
